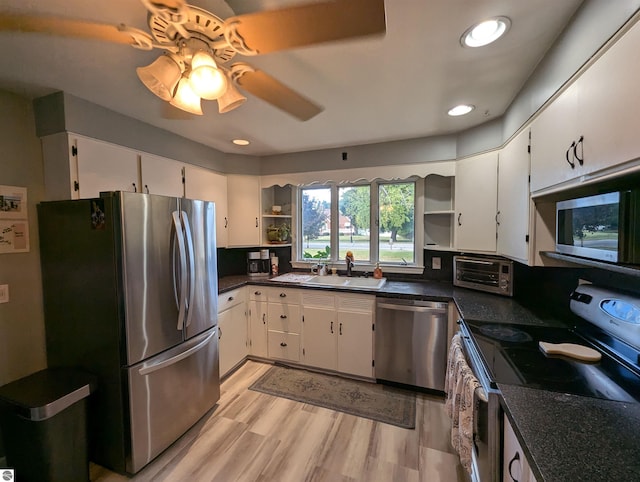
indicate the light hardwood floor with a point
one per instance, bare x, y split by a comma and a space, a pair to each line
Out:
252, 436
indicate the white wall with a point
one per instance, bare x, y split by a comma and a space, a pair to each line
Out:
22, 335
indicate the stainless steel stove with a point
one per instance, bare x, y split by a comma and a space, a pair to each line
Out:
610, 324
607, 321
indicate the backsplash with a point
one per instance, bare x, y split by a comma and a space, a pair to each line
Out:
233, 261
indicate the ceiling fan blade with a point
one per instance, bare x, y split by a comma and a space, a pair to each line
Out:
62, 27
298, 26
274, 92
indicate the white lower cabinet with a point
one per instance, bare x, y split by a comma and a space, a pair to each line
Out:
338, 332
284, 323
258, 321
232, 329
515, 467
320, 347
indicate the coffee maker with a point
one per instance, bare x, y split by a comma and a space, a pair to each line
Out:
258, 263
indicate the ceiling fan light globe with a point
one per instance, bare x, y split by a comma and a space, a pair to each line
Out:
202, 58
161, 76
208, 82
231, 99
186, 99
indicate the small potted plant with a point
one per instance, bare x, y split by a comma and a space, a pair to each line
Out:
279, 233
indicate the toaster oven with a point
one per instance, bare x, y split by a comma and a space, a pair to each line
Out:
494, 275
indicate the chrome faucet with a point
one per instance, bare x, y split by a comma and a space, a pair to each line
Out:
349, 260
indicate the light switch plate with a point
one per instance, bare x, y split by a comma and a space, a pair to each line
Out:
4, 293
436, 263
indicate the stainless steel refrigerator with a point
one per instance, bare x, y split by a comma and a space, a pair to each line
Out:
130, 294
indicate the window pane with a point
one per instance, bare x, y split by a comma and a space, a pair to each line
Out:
354, 230
396, 215
316, 223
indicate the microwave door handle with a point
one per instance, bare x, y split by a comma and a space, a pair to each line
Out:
475, 261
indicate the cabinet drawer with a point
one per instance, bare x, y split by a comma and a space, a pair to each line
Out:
284, 345
258, 293
284, 295
284, 317
230, 299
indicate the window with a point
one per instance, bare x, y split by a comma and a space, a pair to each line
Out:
396, 222
376, 222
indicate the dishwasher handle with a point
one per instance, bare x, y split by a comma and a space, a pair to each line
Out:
413, 308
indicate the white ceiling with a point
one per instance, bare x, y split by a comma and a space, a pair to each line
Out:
398, 86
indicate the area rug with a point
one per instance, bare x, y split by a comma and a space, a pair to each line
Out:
369, 400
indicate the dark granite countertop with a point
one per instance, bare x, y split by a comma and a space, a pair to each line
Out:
565, 437
569, 437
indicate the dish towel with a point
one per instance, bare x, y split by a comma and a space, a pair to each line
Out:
461, 402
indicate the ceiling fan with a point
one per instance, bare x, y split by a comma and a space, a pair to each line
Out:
198, 47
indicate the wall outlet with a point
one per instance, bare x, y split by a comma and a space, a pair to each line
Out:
436, 263
4, 293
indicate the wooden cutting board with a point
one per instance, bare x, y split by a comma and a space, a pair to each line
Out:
579, 352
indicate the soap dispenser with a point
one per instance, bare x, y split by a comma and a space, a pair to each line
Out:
377, 272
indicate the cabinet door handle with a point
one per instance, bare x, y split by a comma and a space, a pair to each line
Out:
566, 155
219, 333
515, 458
284, 317
230, 298
283, 295
340, 328
135, 189
332, 327
256, 222
575, 150
459, 216
264, 315
146, 188
497, 221
257, 293
226, 222
284, 344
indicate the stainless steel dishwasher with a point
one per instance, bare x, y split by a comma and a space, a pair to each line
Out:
411, 342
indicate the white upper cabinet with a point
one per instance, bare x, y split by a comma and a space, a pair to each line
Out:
244, 210
475, 201
592, 125
609, 105
80, 167
513, 198
207, 185
161, 175
553, 139
105, 167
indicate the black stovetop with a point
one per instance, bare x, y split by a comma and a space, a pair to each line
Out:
512, 355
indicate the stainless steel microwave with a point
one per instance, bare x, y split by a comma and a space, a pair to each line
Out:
605, 227
494, 275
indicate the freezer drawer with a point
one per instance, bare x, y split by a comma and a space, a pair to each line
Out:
169, 393
411, 342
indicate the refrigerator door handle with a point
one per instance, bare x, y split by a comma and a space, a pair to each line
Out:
191, 267
183, 269
146, 370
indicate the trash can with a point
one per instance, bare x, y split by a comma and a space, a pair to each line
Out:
43, 419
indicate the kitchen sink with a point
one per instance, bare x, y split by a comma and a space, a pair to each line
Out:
345, 282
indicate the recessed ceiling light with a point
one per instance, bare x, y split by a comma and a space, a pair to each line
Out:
461, 109
485, 32
241, 142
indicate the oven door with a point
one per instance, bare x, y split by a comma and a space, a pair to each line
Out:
488, 426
